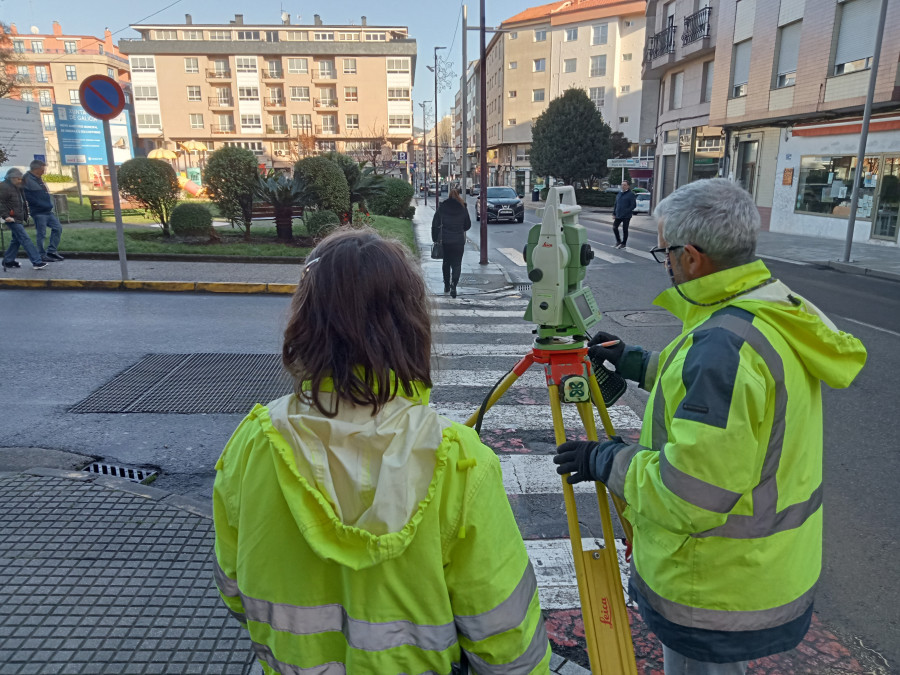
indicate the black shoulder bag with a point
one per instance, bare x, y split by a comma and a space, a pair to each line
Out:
437, 248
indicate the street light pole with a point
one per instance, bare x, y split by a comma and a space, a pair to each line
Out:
464, 154
482, 110
437, 161
424, 104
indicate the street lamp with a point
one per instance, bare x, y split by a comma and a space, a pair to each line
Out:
423, 105
437, 170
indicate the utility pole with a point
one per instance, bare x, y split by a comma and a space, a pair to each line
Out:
864, 133
424, 104
465, 104
482, 112
437, 161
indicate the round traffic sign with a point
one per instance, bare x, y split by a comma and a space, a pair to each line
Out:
101, 97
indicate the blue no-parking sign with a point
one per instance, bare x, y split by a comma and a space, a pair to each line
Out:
101, 97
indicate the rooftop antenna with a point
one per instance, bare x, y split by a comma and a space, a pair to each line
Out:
35, 30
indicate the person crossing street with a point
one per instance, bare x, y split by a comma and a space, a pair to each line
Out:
40, 205
14, 212
623, 210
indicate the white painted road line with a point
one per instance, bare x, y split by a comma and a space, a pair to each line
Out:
514, 255
478, 349
534, 377
633, 251
533, 417
534, 475
868, 325
608, 257
486, 313
554, 569
465, 303
511, 329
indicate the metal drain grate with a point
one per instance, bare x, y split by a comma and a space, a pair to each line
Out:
126, 472
523, 287
191, 384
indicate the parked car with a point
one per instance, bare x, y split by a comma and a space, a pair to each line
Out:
444, 188
502, 204
474, 190
642, 202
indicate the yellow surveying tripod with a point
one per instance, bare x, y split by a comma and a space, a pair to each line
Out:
570, 378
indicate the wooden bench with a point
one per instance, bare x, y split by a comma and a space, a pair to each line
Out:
104, 204
264, 211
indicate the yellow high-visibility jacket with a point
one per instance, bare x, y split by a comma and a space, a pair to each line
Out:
373, 544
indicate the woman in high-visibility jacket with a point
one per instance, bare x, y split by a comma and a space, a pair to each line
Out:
357, 531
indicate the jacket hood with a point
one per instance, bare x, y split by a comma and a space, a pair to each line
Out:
827, 353
359, 484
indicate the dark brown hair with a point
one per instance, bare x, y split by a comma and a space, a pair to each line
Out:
454, 194
359, 314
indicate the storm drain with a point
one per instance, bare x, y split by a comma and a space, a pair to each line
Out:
126, 472
191, 384
524, 288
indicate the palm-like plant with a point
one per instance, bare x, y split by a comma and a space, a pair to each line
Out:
283, 194
368, 184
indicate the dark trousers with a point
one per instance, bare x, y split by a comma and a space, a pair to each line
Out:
625, 222
453, 255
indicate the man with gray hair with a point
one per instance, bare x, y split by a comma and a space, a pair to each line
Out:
724, 486
40, 205
14, 213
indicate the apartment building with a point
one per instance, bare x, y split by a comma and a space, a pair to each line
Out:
281, 91
790, 85
679, 62
49, 68
594, 45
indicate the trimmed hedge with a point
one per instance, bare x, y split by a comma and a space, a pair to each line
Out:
595, 198
320, 223
191, 220
395, 200
57, 178
328, 183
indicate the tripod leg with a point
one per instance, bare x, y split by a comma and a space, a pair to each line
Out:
513, 375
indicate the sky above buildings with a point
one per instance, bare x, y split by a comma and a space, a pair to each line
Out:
431, 23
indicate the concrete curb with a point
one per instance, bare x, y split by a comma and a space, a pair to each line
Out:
155, 286
185, 257
863, 271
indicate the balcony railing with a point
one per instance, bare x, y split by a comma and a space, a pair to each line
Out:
278, 130
324, 74
661, 43
696, 26
23, 79
223, 129
218, 74
221, 102
304, 129
327, 131
273, 74
325, 103
276, 102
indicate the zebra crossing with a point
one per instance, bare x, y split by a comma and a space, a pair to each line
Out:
490, 328
614, 256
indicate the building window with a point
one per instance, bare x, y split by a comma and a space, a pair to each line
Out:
256, 147
279, 124
323, 36
71, 73
511, 122
19, 46
352, 121
523, 153
297, 35
196, 121
27, 95
540, 65
225, 122
540, 35
708, 72
74, 99
273, 68
569, 65
165, 34
41, 74
398, 94
349, 66
245, 64
49, 122
826, 184
326, 146
192, 64
513, 65
399, 121
677, 90
44, 97
193, 93
598, 96
348, 37
855, 43
351, 94
142, 64
628, 24
512, 93
788, 51
149, 121
193, 34
223, 96
329, 124
251, 121
303, 122
626, 57
398, 65
300, 93
537, 95
326, 69
221, 35
248, 35
272, 36
111, 72
22, 74
248, 93
376, 37
298, 66
598, 65
740, 73
623, 120
514, 35
37, 46
100, 49
145, 93
69, 46
625, 88
571, 34
600, 34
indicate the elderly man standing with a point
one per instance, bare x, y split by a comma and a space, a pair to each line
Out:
724, 488
41, 207
14, 212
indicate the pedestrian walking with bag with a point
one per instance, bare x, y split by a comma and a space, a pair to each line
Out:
14, 212
623, 210
40, 205
448, 227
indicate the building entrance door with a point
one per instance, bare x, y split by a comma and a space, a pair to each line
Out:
884, 221
747, 153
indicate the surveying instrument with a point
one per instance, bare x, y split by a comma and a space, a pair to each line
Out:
557, 255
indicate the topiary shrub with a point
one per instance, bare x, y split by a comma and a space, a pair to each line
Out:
191, 220
153, 184
57, 178
320, 223
327, 184
230, 179
395, 200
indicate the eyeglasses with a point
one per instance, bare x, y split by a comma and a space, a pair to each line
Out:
660, 254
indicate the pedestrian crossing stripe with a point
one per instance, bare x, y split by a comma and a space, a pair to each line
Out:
554, 569
534, 475
486, 313
608, 257
511, 329
535, 417
476, 349
485, 378
514, 255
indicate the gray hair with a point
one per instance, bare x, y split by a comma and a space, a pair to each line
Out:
37, 164
717, 215
14, 173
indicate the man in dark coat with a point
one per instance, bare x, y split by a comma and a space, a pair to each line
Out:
40, 205
622, 212
14, 213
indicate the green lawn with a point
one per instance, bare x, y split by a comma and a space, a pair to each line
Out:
232, 240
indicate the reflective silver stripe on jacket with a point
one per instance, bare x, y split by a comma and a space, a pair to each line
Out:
659, 434
263, 653
226, 585
524, 664
695, 491
650, 372
616, 480
722, 619
507, 615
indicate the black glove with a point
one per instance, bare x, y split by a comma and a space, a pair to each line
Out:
574, 457
600, 354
